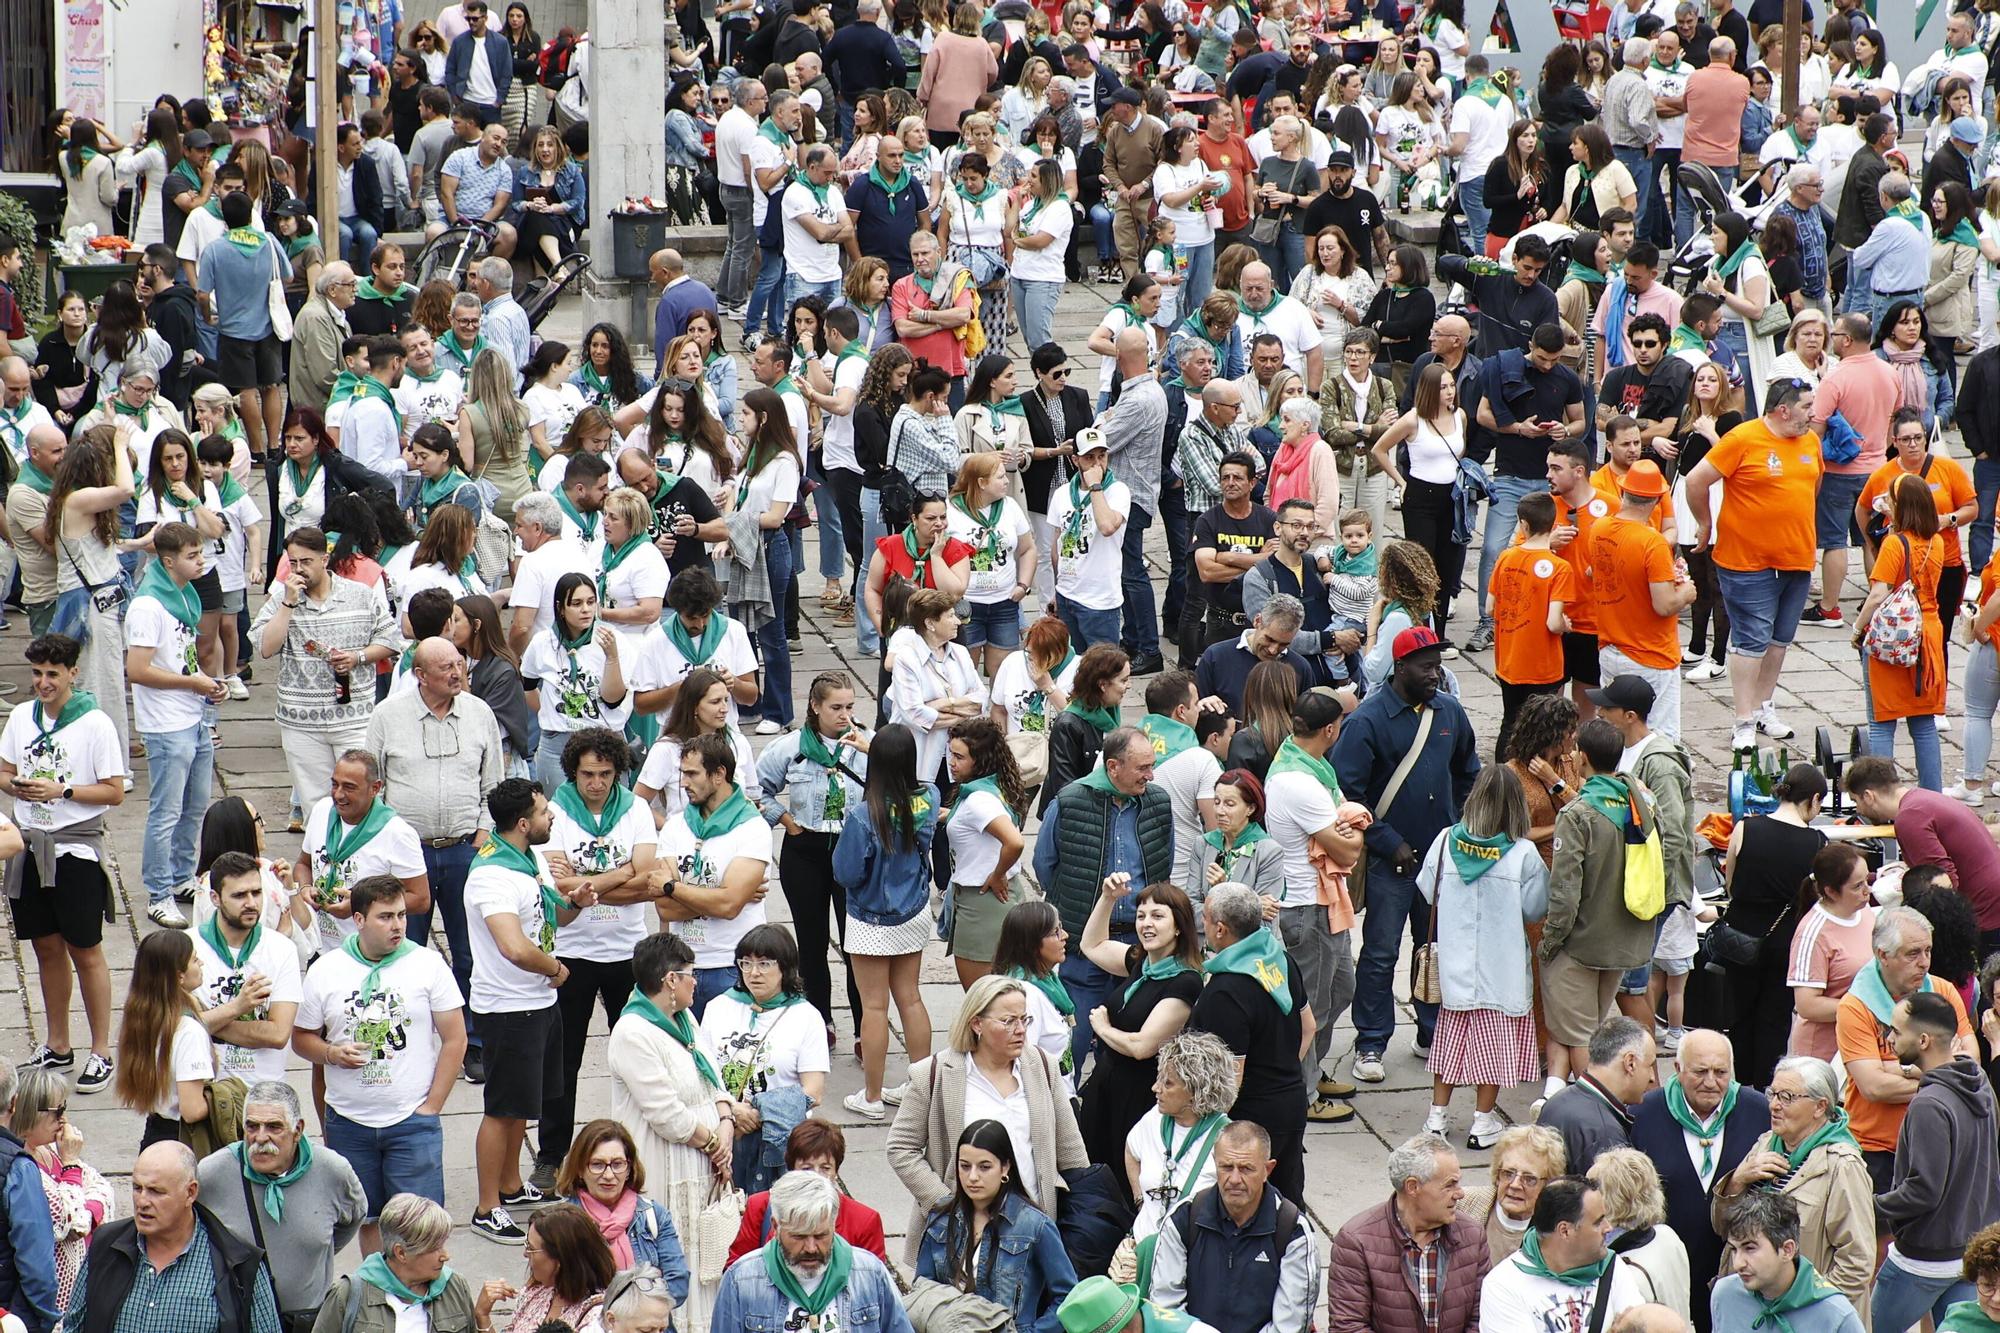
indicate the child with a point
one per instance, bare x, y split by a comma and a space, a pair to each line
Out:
1529, 589
1673, 959
238, 554
1350, 587
1168, 266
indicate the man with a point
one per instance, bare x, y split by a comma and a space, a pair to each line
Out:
1652, 387
250, 979
1731, 24
1714, 96
1240, 1255
1566, 1273
1859, 206
350, 834
1880, 1084
684, 518
371, 432
189, 185
198, 1274
21, 414
1953, 159
1667, 77
1513, 302
502, 322
1638, 592
1099, 1305
1763, 545
1864, 389
1131, 152
1934, 830
1804, 204
713, 859
1663, 767
1769, 1274
1231, 537
514, 912
1356, 212
697, 634
466, 338
816, 222
404, 97
886, 208
1963, 55
382, 300
427, 390
1226, 665
27, 515
1696, 1129
929, 305
1592, 1114
771, 160
479, 67
797, 36
681, 294
1528, 400
1186, 766
436, 139
1697, 38
1945, 1188
174, 312
733, 133
1287, 570
1414, 1258
861, 56
476, 182
1133, 431
585, 484
1977, 417
386, 1020
1266, 311
1798, 142
1631, 121
1412, 803
1221, 148
1629, 297
1265, 353
317, 333
1885, 268
806, 1274
1480, 118
169, 690
303, 1204
1450, 337
359, 191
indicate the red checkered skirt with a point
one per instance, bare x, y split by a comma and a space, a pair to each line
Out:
1474, 1046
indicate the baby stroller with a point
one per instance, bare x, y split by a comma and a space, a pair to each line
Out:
539, 297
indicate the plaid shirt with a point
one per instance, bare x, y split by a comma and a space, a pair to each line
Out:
179, 1298
924, 449
1420, 1266
1203, 447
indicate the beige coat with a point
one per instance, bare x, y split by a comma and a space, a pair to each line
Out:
923, 1141
1836, 1202
1948, 300
316, 337
1482, 1205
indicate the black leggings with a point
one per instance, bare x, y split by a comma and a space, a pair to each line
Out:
1707, 602
575, 998
1427, 521
846, 488
1950, 589
805, 871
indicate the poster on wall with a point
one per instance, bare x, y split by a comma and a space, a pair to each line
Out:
83, 59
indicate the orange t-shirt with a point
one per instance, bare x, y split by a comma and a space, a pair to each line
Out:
1773, 488
1625, 558
1582, 611
1606, 485
1949, 486
1862, 1037
1989, 579
1524, 583
1899, 692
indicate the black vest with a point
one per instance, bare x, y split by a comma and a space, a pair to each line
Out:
114, 1266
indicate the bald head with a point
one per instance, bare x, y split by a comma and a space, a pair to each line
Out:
435, 652
440, 671
164, 1190
1455, 326
1221, 393
13, 368
669, 262
1135, 350
636, 470
46, 443
1705, 1065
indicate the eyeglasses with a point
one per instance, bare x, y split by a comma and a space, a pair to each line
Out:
1019, 1024
608, 1168
1509, 1176
1639, 345
756, 964
1789, 1098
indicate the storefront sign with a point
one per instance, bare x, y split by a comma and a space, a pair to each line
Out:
84, 59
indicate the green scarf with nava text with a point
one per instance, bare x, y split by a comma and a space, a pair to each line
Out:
351, 946
680, 1029
1261, 957
1169, 737
375, 1271
839, 1267
570, 801
1473, 856
1531, 1251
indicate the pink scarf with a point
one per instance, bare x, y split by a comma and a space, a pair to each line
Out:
1911, 389
613, 1222
1291, 475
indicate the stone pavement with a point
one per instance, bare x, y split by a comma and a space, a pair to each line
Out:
1820, 686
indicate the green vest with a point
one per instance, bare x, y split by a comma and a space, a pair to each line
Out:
1084, 815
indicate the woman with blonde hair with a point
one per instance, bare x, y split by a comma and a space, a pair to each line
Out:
493, 429
985, 517
1525, 1158
550, 191
1636, 1207
865, 290
958, 68
1804, 356
91, 483
1025, 102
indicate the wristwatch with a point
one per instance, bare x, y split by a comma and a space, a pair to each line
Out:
69, 793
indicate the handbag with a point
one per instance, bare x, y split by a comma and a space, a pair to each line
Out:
1264, 231
898, 494
715, 1226
281, 311
1031, 755
1425, 987
1776, 319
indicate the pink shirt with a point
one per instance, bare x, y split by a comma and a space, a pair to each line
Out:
1659, 299
1716, 96
1864, 391
1826, 954
942, 349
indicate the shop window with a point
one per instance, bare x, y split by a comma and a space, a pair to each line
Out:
27, 94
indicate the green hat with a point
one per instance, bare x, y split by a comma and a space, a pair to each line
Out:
1098, 1305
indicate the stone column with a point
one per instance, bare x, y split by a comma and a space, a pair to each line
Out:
628, 92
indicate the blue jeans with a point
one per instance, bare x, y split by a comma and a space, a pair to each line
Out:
1087, 626
1036, 303
1200, 277
1923, 738
180, 768
710, 982
1901, 1297
1287, 255
1393, 901
1142, 617
1684, 217
797, 288
1472, 198
1763, 605
1090, 985
765, 305
1100, 228
1735, 335
357, 242
866, 637
548, 759
1180, 539
832, 552
776, 703
446, 868
397, 1159
1498, 533
1640, 164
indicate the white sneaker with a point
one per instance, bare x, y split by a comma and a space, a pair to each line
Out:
1943, 724
1972, 796
166, 914
237, 689
1671, 1043
1368, 1067
1438, 1122
1743, 736
1487, 1126
858, 1103
769, 727
1772, 725
1706, 669
894, 1096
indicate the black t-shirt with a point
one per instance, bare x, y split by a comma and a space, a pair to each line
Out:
1549, 395
685, 498
1237, 1009
1247, 80
1359, 214
1763, 13
1504, 199
1217, 531
1290, 78
1657, 397
1737, 29
403, 117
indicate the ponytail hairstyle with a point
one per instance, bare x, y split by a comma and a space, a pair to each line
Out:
824, 684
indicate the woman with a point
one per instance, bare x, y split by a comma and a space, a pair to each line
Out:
493, 675
1031, 947
1951, 491
880, 859
165, 1055
1382, 72
1833, 942
1170, 1152
1033, 683
1871, 71
1949, 302
1813, 1158
983, 826
1238, 849
1336, 288
987, 1239
1407, 595
1435, 430
569, 1266
1077, 734
1739, 277
550, 194
1903, 340
79, 1199
1268, 696
959, 66
632, 575
1714, 408
992, 420
1525, 1158
933, 682
550, 398
1409, 134
572, 674
1186, 189
1481, 876
685, 439
121, 337
1441, 25
408, 1282
1514, 187
871, 122
1953, 99
1027, 101
772, 1051
701, 708
1636, 1207
989, 1073
1541, 754
1041, 240
718, 368
1137, 303
1778, 241
90, 181
607, 378
1286, 182
602, 1175
1805, 350
977, 214
144, 164
175, 492
687, 153
988, 521
1564, 106
768, 488
65, 383
1596, 182
1139, 1017
1305, 468
1913, 553
1577, 297
1769, 857
493, 432
442, 558
522, 105
92, 482
865, 290
1403, 311
922, 554
436, 456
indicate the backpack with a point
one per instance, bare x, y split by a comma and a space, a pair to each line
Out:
552, 67
1895, 634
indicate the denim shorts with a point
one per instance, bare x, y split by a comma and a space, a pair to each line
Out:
994, 624
1764, 607
1833, 517
406, 1158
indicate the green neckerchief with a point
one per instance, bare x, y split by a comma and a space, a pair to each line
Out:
437, 490
1473, 857
988, 521
1050, 985
614, 558
341, 843
1228, 853
437, 372
1257, 313
465, 356
891, 188
366, 290
1581, 272
1686, 339
989, 784
587, 528
1361, 562
1874, 992
680, 1029
184, 169
506, 855
87, 153
1706, 1135
857, 346
1166, 968
818, 191
1166, 253
1290, 758
1654, 63
1963, 234
180, 599
1104, 719
1736, 258
36, 479
1835, 1130
370, 387
351, 946
274, 1186
1487, 92
295, 247
1910, 213
1037, 204
1609, 797
1400, 290
782, 1000
345, 385
832, 1282
597, 826
732, 812
1078, 506
1133, 319
769, 130
228, 491
1168, 736
235, 961
813, 746
1531, 1250
1808, 1288
302, 481
247, 239
693, 653
78, 703
595, 382
375, 1271
144, 415
978, 201
998, 408
1261, 957
1201, 1132
1967, 1317
572, 646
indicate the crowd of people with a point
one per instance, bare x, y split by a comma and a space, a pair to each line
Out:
530, 613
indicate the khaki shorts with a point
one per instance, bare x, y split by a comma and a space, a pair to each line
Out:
1575, 998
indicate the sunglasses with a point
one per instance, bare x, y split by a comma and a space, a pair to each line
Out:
1059, 373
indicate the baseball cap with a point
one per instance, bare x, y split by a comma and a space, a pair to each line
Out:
1315, 708
1127, 97
1644, 479
1089, 440
1340, 157
1629, 692
1414, 640
196, 140
1966, 130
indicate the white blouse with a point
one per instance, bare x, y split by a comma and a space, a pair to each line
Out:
919, 676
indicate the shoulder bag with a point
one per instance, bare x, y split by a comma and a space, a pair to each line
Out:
1357, 878
1425, 987
281, 310
716, 1226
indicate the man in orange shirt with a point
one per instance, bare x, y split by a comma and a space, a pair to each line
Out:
1624, 445
1530, 589
1639, 590
1764, 542
1578, 507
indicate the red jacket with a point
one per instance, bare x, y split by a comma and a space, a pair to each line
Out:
858, 1225
1367, 1290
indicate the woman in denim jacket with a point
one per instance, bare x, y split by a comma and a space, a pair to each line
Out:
989, 1240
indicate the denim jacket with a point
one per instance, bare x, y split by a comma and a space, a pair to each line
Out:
721, 376
654, 1241
747, 1300
1030, 1272
792, 784
885, 886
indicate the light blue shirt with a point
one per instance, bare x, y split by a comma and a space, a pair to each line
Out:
478, 184
505, 325
1897, 256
